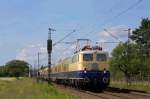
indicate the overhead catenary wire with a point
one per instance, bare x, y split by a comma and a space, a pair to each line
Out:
109, 42
124, 11
64, 51
64, 37
66, 42
129, 8
115, 37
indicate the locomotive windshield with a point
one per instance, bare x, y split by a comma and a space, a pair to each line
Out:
87, 57
101, 57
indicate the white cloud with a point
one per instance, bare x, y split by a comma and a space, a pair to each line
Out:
30, 53
117, 31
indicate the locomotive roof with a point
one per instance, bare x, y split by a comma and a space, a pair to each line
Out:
92, 51
82, 52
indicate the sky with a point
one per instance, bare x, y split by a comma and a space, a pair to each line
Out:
24, 25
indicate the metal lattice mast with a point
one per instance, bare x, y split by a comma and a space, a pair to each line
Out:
49, 50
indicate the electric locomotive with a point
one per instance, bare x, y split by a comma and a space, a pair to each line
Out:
86, 68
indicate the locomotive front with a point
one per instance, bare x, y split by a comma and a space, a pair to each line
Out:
95, 69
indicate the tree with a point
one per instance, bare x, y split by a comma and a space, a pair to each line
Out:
134, 58
3, 71
17, 68
125, 59
141, 36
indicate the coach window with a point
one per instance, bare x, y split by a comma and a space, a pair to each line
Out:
101, 57
87, 57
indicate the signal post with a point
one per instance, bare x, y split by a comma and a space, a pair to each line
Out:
49, 50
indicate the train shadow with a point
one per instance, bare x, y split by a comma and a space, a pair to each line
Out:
119, 90
92, 89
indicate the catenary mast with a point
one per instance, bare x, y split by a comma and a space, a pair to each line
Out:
49, 50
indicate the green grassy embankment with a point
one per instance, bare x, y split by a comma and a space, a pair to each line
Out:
142, 86
30, 89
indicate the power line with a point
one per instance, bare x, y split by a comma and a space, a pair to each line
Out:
67, 42
124, 11
109, 42
129, 8
115, 37
64, 37
63, 51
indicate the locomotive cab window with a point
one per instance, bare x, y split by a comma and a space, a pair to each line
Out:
101, 57
87, 57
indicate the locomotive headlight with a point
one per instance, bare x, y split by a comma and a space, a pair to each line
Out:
84, 70
104, 71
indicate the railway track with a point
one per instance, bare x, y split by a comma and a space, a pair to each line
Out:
110, 93
129, 92
106, 95
120, 95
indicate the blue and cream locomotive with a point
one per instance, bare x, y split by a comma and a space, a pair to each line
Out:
85, 68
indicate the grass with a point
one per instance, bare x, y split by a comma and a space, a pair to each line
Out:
142, 86
30, 89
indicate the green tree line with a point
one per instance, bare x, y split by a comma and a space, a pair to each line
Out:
133, 59
14, 68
